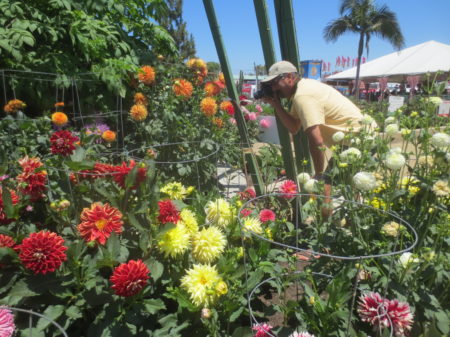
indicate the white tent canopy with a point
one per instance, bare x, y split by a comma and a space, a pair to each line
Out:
428, 57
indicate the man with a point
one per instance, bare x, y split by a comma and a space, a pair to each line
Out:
316, 107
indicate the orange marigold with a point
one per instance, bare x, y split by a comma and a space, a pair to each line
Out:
218, 122
198, 66
139, 98
59, 118
208, 106
99, 221
211, 89
138, 112
59, 105
13, 106
146, 75
182, 87
109, 136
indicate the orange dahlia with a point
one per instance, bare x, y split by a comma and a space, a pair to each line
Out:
139, 98
221, 78
109, 136
218, 122
198, 65
59, 118
208, 106
129, 278
182, 87
13, 106
146, 75
99, 221
211, 89
59, 105
228, 107
138, 112
42, 252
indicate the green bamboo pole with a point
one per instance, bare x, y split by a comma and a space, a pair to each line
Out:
269, 58
232, 92
289, 51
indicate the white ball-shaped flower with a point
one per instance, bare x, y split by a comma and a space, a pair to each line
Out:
338, 136
311, 185
367, 120
303, 177
435, 100
391, 129
407, 259
396, 149
365, 181
395, 161
389, 120
350, 155
440, 139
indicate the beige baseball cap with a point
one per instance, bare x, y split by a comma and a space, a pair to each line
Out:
280, 68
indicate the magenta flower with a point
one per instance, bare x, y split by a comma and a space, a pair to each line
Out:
252, 116
262, 330
265, 123
246, 212
266, 215
381, 312
288, 189
259, 108
7, 326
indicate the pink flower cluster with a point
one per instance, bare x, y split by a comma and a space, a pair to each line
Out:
384, 313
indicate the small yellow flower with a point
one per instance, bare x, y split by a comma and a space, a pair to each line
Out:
342, 165
312, 300
414, 114
221, 288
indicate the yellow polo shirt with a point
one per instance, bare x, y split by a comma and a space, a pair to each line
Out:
316, 103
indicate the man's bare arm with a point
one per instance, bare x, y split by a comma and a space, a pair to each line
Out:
315, 141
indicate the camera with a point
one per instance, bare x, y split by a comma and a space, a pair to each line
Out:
265, 91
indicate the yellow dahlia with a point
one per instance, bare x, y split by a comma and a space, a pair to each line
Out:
176, 191
201, 282
208, 244
138, 112
175, 241
139, 98
182, 88
219, 212
252, 224
146, 75
208, 106
189, 221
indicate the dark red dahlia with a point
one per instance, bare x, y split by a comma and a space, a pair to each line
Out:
63, 142
42, 252
168, 212
129, 278
32, 183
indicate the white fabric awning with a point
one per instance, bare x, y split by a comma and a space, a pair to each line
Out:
428, 57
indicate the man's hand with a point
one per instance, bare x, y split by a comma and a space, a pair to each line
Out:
274, 101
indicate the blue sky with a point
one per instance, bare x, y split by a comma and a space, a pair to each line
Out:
419, 20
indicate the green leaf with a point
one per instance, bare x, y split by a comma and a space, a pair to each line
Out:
154, 305
79, 154
156, 268
8, 206
236, 314
52, 312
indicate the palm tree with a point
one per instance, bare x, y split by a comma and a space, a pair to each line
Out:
365, 18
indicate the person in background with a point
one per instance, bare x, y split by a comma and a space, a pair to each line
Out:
314, 106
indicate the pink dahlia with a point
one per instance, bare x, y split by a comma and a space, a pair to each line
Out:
266, 215
381, 312
7, 326
262, 330
288, 189
265, 123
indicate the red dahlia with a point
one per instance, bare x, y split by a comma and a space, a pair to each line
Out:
246, 212
7, 241
63, 142
288, 189
168, 212
32, 183
15, 199
42, 252
121, 172
99, 221
129, 278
